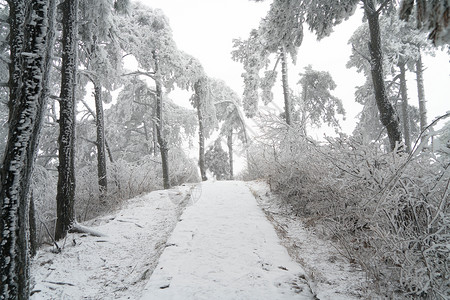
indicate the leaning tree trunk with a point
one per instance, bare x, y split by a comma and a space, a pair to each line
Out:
421, 96
101, 153
405, 114
160, 125
26, 83
65, 197
388, 116
230, 152
284, 79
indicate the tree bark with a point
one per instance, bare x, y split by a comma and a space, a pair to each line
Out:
388, 116
101, 153
27, 53
284, 79
405, 113
43, 97
32, 222
421, 96
198, 87
201, 146
230, 152
65, 197
160, 124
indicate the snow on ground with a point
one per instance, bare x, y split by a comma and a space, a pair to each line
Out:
118, 265
225, 248
330, 275
222, 247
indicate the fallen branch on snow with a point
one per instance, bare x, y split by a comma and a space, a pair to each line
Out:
77, 228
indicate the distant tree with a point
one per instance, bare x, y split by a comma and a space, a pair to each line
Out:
229, 115
202, 100
431, 16
148, 30
100, 55
321, 21
131, 132
316, 103
216, 160
65, 197
28, 46
280, 33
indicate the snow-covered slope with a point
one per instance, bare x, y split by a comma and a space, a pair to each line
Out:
118, 265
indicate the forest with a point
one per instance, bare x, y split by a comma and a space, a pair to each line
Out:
81, 132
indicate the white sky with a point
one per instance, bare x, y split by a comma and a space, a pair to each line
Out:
205, 29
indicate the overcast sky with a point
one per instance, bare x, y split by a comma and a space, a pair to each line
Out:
206, 28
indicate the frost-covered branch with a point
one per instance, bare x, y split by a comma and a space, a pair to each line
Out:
148, 74
360, 53
91, 112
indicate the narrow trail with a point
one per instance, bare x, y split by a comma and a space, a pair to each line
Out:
225, 248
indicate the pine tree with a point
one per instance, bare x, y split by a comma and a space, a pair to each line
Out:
65, 197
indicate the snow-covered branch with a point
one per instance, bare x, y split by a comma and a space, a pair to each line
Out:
148, 74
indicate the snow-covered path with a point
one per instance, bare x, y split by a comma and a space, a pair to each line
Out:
225, 248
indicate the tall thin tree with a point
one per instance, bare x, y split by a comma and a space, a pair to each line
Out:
199, 102
162, 142
65, 197
405, 110
421, 95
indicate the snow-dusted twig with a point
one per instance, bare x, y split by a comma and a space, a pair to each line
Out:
58, 249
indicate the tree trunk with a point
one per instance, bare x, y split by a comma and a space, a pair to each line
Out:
43, 97
27, 53
108, 149
201, 146
32, 222
65, 197
160, 124
388, 116
421, 96
284, 79
201, 129
101, 153
405, 113
17, 9
303, 117
230, 152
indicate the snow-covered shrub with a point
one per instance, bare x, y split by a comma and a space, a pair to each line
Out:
87, 204
398, 227
43, 191
217, 161
389, 211
182, 168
